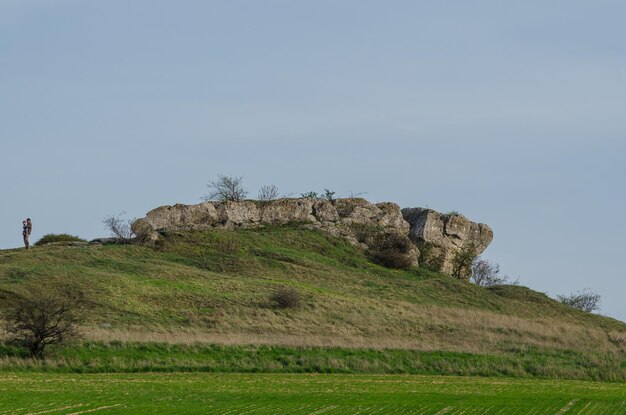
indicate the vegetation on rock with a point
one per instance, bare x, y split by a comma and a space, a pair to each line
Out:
226, 189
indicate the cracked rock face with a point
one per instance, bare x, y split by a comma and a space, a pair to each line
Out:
444, 236
341, 214
439, 236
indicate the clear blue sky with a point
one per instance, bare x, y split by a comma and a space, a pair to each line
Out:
510, 112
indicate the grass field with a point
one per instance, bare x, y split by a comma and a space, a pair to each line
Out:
118, 357
302, 394
217, 284
198, 298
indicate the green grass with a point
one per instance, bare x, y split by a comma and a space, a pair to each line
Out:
98, 357
216, 287
302, 394
208, 270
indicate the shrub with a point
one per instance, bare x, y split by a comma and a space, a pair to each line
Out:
286, 297
268, 193
431, 257
486, 274
310, 195
57, 238
226, 188
364, 233
462, 262
227, 245
119, 227
392, 250
586, 300
329, 195
41, 319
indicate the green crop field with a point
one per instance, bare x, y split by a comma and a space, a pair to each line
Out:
41, 393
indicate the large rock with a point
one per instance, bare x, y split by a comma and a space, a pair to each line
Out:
444, 239
440, 238
282, 211
341, 217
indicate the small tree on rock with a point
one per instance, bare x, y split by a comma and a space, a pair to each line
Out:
268, 193
226, 188
310, 195
329, 195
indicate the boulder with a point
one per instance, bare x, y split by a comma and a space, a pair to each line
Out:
237, 214
444, 238
282, 211
324, 212
390, 216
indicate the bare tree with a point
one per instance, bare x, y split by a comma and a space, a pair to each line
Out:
485, 273
585, 300
42, 319
268, 193
226, 188
119, 227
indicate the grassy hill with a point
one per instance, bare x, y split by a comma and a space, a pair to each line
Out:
216, 286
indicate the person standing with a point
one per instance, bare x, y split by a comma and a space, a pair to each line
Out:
25, 234
29, 226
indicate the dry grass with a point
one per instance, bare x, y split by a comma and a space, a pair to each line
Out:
430, 328
191, 337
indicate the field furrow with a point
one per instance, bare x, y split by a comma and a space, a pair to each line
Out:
258, 394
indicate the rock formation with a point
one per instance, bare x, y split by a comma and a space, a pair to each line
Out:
443, 238
379, 227
340, 212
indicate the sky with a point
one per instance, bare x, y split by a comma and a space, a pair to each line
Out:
512, 113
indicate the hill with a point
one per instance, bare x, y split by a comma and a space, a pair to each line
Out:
215, 286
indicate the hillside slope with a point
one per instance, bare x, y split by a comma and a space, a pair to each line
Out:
215, 286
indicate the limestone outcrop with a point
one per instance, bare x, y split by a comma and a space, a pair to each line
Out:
354, 219
377, 227
340, 212
444, 238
